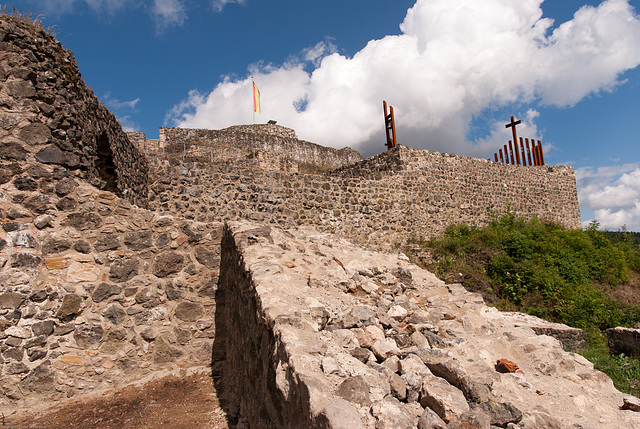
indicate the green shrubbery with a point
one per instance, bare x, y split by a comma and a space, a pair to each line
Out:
539, 268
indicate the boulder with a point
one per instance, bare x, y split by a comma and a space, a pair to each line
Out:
443, 398
355, 389
430, 420
339, 414
624, 340
391, 413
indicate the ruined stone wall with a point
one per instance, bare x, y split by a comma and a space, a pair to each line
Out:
276, 147
94, 291
49, 116
329, 335
306, 327
387, 199
139, 140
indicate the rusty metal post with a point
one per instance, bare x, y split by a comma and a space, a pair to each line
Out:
536, 154
495, 157
511, 152
506, 154
389, 126
528, 151
524, 161
541, 153
501, 157
393, 126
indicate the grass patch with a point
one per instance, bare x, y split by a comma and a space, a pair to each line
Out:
26, 17
623, 370
568, 276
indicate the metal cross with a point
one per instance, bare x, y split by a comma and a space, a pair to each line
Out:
512, 125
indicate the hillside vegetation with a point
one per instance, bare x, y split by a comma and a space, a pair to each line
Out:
586, 279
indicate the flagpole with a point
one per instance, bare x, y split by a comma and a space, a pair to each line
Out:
253, 96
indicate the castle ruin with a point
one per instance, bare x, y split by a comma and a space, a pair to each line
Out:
233, 250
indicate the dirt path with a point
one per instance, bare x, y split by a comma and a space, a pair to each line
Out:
172, 402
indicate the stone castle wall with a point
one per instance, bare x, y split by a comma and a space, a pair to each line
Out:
48, 116
95, 291
276, 147
83, 273
397, 195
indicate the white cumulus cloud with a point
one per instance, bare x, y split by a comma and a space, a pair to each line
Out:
613, 193
168, 13
218, 5
116, 104
123, 109
452, 61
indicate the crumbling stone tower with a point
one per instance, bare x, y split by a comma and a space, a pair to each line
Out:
50, 117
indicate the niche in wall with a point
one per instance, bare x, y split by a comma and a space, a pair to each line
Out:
105, 166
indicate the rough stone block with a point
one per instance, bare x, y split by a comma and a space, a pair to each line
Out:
339, 414
443, 398
70, 307
167, 263
624, 340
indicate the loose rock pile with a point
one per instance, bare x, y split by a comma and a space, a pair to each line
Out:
335, 336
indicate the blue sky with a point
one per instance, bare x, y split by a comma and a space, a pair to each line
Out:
454, 72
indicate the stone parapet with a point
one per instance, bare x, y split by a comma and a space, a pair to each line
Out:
572, 339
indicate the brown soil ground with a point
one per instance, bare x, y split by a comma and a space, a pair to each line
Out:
628, 293
171, 402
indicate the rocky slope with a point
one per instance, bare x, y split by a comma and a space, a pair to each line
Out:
321, 333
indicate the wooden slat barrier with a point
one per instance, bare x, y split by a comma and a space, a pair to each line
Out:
521, 153
518, 151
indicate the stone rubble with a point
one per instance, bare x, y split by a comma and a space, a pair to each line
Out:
429, 365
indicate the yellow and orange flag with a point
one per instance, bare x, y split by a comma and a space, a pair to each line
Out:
256, 98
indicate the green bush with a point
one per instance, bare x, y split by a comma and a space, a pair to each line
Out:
540, 268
